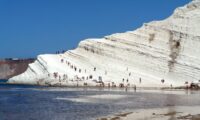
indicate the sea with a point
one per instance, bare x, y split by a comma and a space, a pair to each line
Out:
26, 102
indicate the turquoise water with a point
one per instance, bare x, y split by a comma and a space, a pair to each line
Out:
23, 102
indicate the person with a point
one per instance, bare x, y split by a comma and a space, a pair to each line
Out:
94, 68
90, 77
100, 78
55, 75
140, 80
83, 78
135, 87
108, 84
130, 74
85, 83
121, 85
62, 60
186, 82
162, 80
113, 84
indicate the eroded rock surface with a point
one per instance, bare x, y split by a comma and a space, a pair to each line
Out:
159, 54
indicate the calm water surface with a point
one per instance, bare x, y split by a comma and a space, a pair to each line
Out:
22, 102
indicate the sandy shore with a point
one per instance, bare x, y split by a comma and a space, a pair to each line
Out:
169, 113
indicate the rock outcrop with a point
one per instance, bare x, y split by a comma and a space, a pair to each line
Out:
11, 68
159, 54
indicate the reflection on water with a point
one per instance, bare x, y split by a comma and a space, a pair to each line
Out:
48, 103
172, 109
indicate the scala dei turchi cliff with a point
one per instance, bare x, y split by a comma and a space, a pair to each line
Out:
159, 54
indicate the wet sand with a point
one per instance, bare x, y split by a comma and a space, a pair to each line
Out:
169, 113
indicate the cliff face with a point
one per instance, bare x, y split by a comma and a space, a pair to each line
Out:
10, 68
159, 54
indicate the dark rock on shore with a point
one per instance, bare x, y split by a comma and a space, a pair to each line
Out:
13, 67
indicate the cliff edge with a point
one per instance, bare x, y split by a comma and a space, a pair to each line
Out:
159, 54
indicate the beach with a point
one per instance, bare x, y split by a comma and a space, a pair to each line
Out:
167, 113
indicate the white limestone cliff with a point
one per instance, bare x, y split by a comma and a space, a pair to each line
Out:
167, 50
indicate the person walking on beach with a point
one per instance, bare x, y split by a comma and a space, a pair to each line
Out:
135, 88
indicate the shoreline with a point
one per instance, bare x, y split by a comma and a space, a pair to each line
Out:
106, 87
166, 113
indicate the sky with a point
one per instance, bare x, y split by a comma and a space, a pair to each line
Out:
32, 27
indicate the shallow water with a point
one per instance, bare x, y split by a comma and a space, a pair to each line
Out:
22, 102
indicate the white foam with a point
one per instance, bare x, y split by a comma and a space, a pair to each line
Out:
107, 96
83, 100
93, 98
